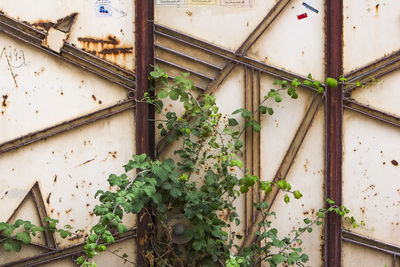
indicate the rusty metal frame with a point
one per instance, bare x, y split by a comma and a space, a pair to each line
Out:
62, 253
145, 130
66, 126
28, 34
333, 131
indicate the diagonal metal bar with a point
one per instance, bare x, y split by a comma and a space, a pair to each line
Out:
285, 165
51, 256
66, 126
251, 39
374, 70
41, 210
228, 55
370, 243
371, 112
260, 29
28, 34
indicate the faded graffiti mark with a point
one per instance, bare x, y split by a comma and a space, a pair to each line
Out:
15, 57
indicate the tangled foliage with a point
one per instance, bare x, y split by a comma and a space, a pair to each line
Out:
202, 183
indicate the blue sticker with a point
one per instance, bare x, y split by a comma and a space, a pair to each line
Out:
103, 8
310, 7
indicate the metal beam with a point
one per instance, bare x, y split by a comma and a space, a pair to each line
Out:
333, 131
371, 112
145, 136
370, 243
285, 166
28, 34
231, 57
66, 126
51, 256
374, 70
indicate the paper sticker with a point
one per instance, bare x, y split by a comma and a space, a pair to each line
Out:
308, 6
202, 2
169, 2
302, 16
103, 8
235, 2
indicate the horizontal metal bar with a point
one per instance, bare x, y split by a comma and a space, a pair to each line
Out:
226, 54
183, 68
370, 243
374, 70
371, 112
28, 34
66, 126
62, 253
187, 56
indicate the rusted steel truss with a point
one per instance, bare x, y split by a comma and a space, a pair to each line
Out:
67, 125
28, 34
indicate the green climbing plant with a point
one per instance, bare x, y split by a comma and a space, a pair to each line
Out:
202, 182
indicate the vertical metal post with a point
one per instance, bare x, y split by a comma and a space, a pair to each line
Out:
333, 128
144, 41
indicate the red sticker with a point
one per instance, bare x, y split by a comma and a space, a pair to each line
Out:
302, 16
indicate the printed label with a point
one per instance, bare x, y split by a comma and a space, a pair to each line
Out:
103, 8
202, 2
302, 16
235, 2
169, 2
310, 7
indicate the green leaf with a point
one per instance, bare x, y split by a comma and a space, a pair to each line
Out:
278, 98
278, 258
25, 237
149, 190
256, 126
233, 122
331, 82
198, 245
157, 198
270, 111
238, 144
309, 76
10, 244
122, 228
163, 94
304, 258
297, 194
263, 109
307, 83
174, 94
175, 192
286, 199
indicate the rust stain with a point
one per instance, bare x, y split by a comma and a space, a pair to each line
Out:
48, 199
94, 98
394, 163
55, 178
43, 24
4, 103
377, 8
189, 13
108, 48
113, 154
68, 211
86, 162
75, 237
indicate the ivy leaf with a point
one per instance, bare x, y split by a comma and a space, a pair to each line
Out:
122, 228
286, 199
304, 258
233, 122
297, 194
174, 94
256, 126
263, 109
198, 245
238, 144
163, 94
10, 244
278, 258
270, 111
309, 76
278, 98
24, 237
331, 82
175, 192
149, 190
